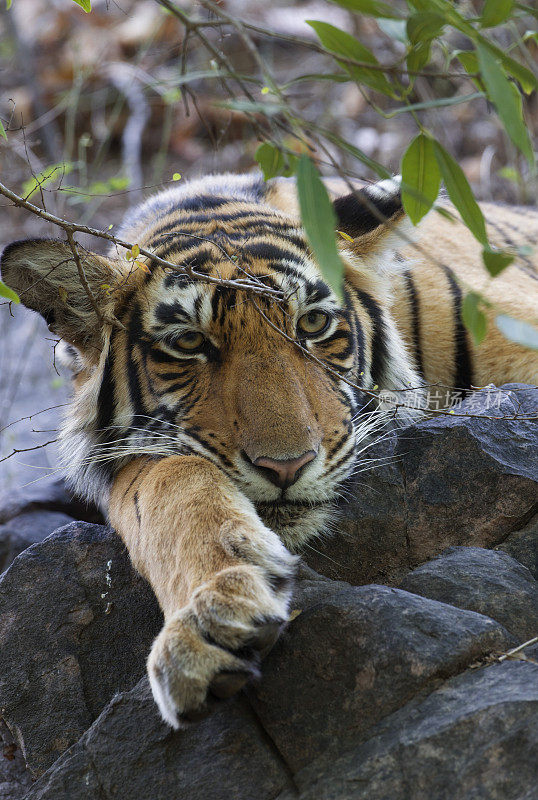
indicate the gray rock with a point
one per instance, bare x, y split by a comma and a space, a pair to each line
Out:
25, 530
367, 542
15, 780
523, 546
356, 654
470, 480
76, 625
47, 494
130, 752
352, 656
488, 582
452, 481
474, 738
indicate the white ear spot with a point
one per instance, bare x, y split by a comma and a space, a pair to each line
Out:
390, 186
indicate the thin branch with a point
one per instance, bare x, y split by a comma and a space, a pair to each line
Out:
84, 281
31, 416
251, 285
227, 19
516, 650
27, 449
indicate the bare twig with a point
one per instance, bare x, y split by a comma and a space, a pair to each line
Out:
27, 450
83, 279
513, 653
31, 416
251, 284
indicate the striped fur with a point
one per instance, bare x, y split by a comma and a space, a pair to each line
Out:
169, 441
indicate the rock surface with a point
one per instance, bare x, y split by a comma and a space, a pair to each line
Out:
475, 737
485, 581
76, 624
15, 779
372, 692
450, 480
522, 545
25, 530
48, 494
355, 655
351, 657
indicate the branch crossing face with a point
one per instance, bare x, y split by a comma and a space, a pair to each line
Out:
216, 424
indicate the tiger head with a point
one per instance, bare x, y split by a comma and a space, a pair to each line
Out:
228, 343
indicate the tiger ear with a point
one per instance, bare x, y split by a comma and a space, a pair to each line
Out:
44, 274
374, 218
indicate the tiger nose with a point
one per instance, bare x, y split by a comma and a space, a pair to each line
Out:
283, 473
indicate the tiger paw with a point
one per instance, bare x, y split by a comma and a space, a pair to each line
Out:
210, 649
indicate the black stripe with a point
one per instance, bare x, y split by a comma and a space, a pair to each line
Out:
319, 291
192, 432
137, 509
269, 251
176, 387
105, 401
415, 310
463, 370
349, 456
285, 270
355, 212
133, 376
334, 449
334, 339
201, 202
359, 334
170, 313
379, 340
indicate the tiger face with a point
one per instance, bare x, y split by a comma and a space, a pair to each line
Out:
273, 385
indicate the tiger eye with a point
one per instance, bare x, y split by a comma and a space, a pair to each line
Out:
313, 322
190, 341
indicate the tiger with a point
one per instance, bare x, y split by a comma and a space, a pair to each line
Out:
224, 390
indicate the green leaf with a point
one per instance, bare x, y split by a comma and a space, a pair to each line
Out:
420, 172
517, 331
468, 58
421, 29
528, 81
344, 44
418, 56
5, 291
439, 103
55, 171
449, 11
84, 4
372, 8
424, 27
274, 162
3, 131
334, 77
319, 220
460, 193
509, 174
270, 160
506, 100
8, 6
496, 260
495, 12
473, 317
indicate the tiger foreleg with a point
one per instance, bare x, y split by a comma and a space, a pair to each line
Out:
222, 578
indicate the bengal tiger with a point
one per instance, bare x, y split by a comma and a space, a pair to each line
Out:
215, 424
